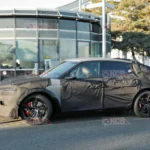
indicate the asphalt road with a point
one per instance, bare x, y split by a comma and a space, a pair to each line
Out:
81, 131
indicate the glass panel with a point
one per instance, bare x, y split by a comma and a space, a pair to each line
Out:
67, 24
6, 11
66, 34
47, 34
28, 33
26, 11
47, 23
83, 26
47, 12
6, 33
96, 37
108, 47
6, 23
6, 54
96, 28
48, 48
108, 37
67, 13
59, 70
83, 36
26, 53
87, 70
83, 49
67, 49
112, 69
29, 23
95, 49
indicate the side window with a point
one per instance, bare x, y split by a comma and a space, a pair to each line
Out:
112, 68
86, 70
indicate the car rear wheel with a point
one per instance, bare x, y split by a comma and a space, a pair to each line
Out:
142, 104
36, 109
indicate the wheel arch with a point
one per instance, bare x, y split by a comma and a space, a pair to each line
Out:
49, 95
141, 91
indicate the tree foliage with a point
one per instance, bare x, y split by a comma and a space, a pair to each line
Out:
134, 29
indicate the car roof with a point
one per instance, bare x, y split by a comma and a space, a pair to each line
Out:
99, 59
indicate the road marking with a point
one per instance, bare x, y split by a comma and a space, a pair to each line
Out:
115, 121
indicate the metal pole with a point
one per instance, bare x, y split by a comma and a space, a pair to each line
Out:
79, 5
103, 29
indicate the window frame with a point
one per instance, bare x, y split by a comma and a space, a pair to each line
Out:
100, 62
97, 61
110, 62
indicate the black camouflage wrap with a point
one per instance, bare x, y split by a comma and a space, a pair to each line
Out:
75, 94
13, 91
103, 93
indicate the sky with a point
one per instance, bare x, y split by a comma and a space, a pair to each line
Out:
5, 4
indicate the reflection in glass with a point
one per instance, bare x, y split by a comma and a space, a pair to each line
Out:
66, 34
25, 11
6, 23
47, 33
29, 23
96, 49
59, 70
96, 28
67, 24
49, 12
26, 53
48, 48
27, 33
67, 49
6, 33
47, 23
96, 37
83, 26
6, 54
108, 47
108, 37
83, 49
83, 36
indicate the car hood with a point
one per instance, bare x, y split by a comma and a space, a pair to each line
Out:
22, 80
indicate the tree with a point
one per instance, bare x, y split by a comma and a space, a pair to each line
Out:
134, 29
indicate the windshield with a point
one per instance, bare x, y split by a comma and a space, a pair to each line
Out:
58, 71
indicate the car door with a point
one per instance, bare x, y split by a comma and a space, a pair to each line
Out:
118, 84
82, 88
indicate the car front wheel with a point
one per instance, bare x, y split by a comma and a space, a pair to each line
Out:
142, 104
36, 109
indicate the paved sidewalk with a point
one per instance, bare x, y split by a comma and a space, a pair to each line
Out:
7, 120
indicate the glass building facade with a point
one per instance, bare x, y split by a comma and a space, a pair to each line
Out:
31, 36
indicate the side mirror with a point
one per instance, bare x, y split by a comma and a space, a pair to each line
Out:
70, 78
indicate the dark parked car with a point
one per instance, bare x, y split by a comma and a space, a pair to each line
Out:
78, 84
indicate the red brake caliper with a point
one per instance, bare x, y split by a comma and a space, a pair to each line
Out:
27, 112
140, 105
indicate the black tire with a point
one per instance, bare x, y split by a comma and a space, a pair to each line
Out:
142, 104
38, 114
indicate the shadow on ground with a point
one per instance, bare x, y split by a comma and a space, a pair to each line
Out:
88, 116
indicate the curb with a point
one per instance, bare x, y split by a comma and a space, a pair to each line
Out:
10, 121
